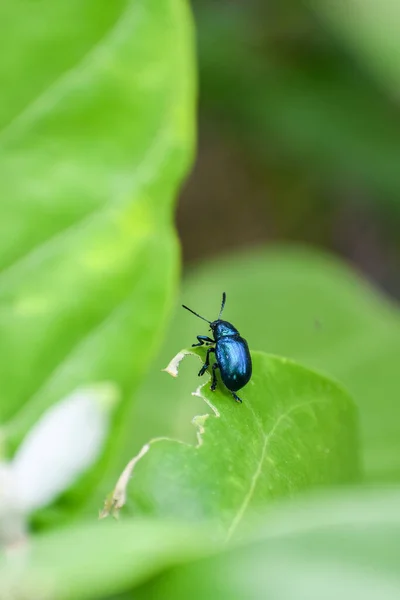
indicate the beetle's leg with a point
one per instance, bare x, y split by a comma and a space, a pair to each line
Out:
203, 339
236, 397
214, 377
207, 363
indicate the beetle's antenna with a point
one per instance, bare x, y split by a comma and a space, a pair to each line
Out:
195, 313
222, 305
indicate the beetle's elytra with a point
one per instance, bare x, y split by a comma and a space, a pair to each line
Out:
231, 353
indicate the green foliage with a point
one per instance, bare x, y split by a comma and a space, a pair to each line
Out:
295, 430
297, 103
97, 134
370, 33
113, 557
327, 547
309, 307
95, 142
332, 545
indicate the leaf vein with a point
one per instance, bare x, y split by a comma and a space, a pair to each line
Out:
52, 94
30, 405
137, 179
256, 475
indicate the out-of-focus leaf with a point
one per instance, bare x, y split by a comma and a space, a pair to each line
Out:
300, 304
371, 31
312, 112
91, 561
97, 134
341, 547
295, 430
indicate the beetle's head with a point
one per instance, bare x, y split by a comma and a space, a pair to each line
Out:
222, 328
218, 327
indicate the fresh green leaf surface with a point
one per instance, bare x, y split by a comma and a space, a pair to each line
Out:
94, 145
339, 547
294, 430
304, 305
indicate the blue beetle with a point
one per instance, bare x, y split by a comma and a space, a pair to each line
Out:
231, 352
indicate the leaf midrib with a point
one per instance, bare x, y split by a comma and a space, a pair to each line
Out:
159, 149
256, 475
45, 102
40, 104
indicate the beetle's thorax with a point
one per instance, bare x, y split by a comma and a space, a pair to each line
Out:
222, 329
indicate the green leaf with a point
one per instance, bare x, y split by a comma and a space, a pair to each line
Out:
115, 556
327, 546
97, 135
294, 430
334, 547
308, 111
304, 305
369, 30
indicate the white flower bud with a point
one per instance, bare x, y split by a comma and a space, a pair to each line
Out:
66, 441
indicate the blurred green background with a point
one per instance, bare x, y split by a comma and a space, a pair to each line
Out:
299, 136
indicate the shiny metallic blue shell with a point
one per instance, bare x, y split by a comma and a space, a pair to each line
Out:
232, 354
